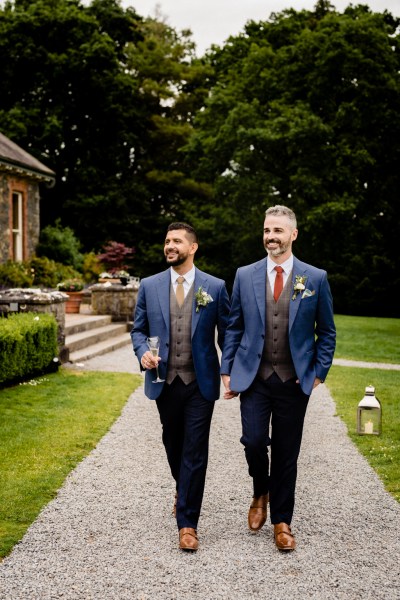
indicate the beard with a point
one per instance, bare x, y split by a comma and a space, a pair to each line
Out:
177, 260
282, 247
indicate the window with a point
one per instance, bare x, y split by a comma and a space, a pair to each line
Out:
17, 226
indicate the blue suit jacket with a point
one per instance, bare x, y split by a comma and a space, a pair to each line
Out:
312, 334
152, 317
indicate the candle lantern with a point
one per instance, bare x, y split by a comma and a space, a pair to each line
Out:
369, 413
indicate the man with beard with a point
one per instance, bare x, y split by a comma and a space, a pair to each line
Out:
183, 306
279, 346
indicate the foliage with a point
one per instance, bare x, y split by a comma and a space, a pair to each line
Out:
61, 245
28, 345
15, 275
71, 285
46, 429
37, 272
305, 111
91, 267
301, 109
47, 273
347, 387
114, 141
115, 256
373, 339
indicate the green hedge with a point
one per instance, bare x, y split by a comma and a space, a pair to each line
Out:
28, 345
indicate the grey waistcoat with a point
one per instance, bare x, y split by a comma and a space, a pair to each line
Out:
180, 361
276, 354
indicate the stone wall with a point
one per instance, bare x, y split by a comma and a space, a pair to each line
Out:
114, 299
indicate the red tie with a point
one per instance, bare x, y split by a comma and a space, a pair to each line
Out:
278, 287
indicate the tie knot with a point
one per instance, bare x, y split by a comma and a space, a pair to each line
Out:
180, 279
279, 269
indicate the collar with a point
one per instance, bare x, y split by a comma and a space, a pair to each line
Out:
189, 276
287, 266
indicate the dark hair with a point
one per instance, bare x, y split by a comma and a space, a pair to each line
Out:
188, 228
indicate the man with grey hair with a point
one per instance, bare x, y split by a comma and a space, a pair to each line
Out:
279, 346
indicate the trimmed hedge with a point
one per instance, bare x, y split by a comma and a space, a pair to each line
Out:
28, 345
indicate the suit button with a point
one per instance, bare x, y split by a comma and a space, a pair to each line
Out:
259, 356
263, 336
178, 355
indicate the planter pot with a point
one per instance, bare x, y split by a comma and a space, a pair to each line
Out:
73, 303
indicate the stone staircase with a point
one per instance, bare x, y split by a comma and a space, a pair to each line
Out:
92, 335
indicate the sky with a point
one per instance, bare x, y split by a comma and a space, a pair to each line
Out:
213, 21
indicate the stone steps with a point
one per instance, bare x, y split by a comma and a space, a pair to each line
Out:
87, 336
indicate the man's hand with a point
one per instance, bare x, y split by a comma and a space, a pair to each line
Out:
317, 381
226, 380
149, 361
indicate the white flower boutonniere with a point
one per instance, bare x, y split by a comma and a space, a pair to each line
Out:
299, 285
202, 298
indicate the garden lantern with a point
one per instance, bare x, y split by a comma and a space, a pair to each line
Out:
369, 413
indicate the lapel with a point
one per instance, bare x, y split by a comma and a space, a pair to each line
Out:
259, 278
163, 290
200, 279
298, 269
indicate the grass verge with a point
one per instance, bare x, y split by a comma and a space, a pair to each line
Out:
47, 427
347, 386
373, 339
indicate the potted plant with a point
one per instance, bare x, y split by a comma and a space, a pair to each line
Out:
73, 287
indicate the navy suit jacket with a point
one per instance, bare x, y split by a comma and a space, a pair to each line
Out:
312, 334
152, 318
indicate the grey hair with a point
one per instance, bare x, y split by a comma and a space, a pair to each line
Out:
282, 211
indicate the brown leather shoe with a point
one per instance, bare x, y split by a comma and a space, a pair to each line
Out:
284, 538
175, 501
188, 539
258, 512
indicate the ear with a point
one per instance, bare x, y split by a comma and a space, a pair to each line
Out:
193, 248
294, 234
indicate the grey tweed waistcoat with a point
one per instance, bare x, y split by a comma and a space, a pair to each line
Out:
180, 361
276, 354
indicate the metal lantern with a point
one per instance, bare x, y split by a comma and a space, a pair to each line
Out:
369, 414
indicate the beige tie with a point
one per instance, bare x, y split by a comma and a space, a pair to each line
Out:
180, 292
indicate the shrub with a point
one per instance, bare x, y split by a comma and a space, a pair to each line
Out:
115, 256
28, 345
61, 245
91, 267
15, 275
47, 273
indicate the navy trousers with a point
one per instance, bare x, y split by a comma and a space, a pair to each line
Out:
186, 416
273, 415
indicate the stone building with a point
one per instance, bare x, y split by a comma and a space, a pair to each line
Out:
20, 176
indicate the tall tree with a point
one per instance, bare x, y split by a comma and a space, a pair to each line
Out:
66, 98
305, 112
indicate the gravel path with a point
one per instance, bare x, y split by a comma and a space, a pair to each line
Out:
109, 534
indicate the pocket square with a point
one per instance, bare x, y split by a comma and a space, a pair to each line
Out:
307, 293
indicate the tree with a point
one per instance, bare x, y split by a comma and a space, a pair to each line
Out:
305, 112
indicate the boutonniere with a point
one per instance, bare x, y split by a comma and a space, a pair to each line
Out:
202, 298
299, 285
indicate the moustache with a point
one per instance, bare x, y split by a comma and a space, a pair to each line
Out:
272, 241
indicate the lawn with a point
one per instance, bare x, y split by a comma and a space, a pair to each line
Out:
47, 427
347, 386
372, 339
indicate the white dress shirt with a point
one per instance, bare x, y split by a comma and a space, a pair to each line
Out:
287, 267
189, 279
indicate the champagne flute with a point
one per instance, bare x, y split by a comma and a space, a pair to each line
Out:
154, 346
